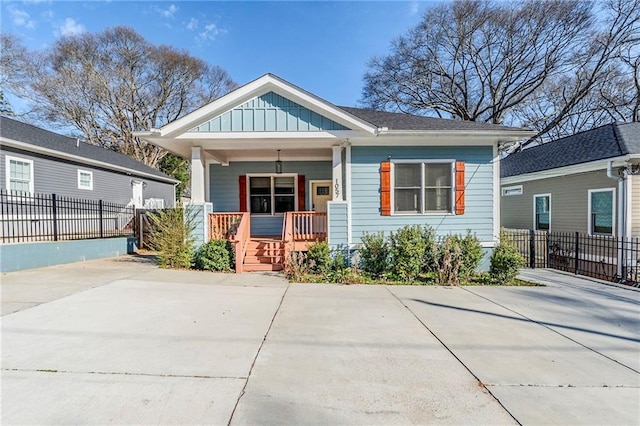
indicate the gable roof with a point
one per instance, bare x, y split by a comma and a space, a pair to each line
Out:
404, 121
608, 141
262, 85
17, 131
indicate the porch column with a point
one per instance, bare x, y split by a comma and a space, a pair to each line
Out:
197, 175
337, 174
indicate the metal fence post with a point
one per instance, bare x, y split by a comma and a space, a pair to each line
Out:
100, 216
54, 207
532, 248
577, 259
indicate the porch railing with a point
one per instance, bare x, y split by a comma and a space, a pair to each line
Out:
241, 240
223, 225
304, 227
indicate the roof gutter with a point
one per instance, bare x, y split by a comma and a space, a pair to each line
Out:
52, 152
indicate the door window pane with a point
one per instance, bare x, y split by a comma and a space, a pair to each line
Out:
602, 212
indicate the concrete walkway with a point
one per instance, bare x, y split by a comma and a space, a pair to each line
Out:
121, 341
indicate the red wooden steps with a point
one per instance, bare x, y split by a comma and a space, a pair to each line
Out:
264, 254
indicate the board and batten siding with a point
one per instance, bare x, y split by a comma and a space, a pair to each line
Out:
269, 113
60, 177
338, 223
365, 191
569, 201
224, 191
635, 205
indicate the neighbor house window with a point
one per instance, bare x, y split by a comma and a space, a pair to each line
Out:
601, 211
272, 194
85, 179
423, 187
542, 212
19, 173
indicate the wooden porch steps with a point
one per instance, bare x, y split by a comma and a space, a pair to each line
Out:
264, 254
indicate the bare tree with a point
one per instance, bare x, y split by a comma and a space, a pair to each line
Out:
13, 70
502, 63
113, 83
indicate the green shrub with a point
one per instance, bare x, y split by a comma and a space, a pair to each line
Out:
374, 254
408, 248
319, 257
472, 254
338, 270
506, 262
214, 256
171, 237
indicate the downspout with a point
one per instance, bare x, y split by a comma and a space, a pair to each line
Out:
621, 217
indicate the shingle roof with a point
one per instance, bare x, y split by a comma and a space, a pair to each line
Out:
26, 133
608, 141
403, 121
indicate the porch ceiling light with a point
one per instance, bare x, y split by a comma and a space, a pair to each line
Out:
278, 164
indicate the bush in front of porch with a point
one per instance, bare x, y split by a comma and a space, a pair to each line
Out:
411, 255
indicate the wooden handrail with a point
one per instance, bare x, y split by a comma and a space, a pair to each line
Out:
308, 226
241, 240
223, 226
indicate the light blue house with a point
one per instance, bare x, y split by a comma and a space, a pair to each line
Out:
272, 163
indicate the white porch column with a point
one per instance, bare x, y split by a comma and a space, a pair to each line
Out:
197, 175
337, 174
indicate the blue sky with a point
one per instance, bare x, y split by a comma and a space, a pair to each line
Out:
322, 47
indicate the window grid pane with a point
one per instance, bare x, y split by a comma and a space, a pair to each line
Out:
19, 175
602, 212
438, 187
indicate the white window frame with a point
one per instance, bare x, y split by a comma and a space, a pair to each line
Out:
613, 211
90, 173
273, 195
8, 160
423, 212
509, 191
535, 225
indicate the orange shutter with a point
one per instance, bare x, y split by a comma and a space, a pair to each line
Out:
385, 188
242, 189
460, 183
301, 193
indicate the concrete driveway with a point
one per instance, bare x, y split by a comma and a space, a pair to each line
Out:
121, 341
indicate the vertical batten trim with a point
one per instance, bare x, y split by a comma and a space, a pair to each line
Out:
348, 193
496, 193
336, 181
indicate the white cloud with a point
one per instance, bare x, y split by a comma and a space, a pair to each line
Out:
192, 25
168, 12
21, 18
210, 33
71, 28
414, 8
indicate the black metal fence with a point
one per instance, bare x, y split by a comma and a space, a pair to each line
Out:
609, 258
48, 217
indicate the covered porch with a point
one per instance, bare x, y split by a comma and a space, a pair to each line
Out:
299, 230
